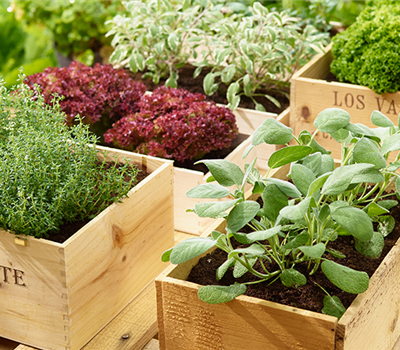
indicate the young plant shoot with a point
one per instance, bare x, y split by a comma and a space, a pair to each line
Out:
298, 219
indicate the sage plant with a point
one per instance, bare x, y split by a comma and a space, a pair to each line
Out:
298, 219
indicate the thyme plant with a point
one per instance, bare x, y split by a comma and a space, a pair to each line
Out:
298, 219
49, 173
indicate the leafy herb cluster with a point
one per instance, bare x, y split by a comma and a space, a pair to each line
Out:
176, 124
49, 173
298, 219
78, 27
247, 53
367, 52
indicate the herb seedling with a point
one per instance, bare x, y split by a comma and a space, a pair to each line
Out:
298, 219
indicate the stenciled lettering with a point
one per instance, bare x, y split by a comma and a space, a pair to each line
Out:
381, 104
349, 100
13, 276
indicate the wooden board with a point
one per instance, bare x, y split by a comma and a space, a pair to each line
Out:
58, 296
133, 327
248, 121
311, 93
185, 322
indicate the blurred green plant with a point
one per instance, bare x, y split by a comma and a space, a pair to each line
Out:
78, 26
22, 45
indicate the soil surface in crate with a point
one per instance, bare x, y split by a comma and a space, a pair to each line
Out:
309, 296
186, 81
69, 228
217, 154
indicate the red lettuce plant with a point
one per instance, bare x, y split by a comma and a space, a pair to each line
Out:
93, 93
176, 124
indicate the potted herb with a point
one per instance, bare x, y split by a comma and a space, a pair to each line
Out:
250, 55
78, 27
294, 225
59, 294
364, 61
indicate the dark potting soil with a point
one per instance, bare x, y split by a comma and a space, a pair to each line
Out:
69, 228
186, 81
309, 296
218, 154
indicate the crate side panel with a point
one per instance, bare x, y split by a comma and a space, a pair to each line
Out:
192, 324
184, 180
118, 255
33, 294
372, 320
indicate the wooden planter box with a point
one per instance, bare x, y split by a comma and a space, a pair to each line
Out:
59, 295
248, 121
185, 322
310, 94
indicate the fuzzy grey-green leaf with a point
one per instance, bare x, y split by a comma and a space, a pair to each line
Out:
208, 191
292, 278
331, 120
288, 155
190, 248
220, 294
213, 210
347, 279
241, 214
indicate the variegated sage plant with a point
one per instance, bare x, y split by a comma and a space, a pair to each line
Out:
298, 219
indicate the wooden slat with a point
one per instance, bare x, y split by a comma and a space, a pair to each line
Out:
372, 320
311, 94
138, 320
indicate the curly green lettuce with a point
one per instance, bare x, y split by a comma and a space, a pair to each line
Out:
368, 52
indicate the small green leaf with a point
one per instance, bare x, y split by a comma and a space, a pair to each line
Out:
241, 214
273, 100
298, 241
388, 203
288, 155
227, 75
341, 178
315, 251
331, 120
367, 151
263, 235
333, 306
296, 212
274, 200
213, 210
354, 221
317, 184
190, 248
220, 294
173, 41
224, 267
302, 177
391, 144
226, 173
292, 278
208, 82
253, 250
335, 253
272, 132
240, 269
208, 191
373, 209
286, 187
347, 279
373, 248
379, 119
386, 225
166, 255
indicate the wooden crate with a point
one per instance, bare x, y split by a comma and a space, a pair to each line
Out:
248, 121
59, 295
185, 322
310, 94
